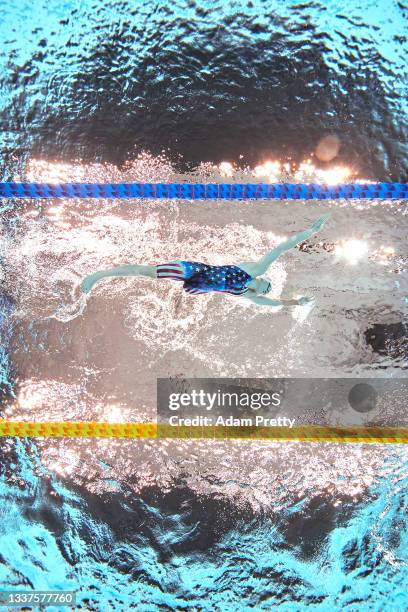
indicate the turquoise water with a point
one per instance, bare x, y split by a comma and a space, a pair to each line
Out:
177, 551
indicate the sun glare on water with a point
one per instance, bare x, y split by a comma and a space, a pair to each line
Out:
270, 170
275, 171
352, 250
334, 176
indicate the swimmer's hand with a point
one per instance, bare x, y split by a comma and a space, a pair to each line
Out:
319, 223
302, 301
89, 282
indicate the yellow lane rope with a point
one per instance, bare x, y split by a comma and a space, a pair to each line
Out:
307, 433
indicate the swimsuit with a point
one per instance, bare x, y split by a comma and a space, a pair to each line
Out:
201, 278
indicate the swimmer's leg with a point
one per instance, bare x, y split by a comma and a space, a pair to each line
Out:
130, 270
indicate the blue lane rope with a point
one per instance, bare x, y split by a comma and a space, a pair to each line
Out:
209, 191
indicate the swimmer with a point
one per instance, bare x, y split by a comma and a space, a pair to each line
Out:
245, 279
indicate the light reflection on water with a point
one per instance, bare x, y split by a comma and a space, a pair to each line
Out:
98, 357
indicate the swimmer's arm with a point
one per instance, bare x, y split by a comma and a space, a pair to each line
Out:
264, 301
263, 264
260, 267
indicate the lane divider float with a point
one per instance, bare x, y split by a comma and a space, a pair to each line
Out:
134, 430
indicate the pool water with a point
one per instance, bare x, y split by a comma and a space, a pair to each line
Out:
118, 91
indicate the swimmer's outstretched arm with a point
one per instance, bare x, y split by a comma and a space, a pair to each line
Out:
260, 267
130, 270
264, 301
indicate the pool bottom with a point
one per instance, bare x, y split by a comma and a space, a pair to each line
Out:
176, 548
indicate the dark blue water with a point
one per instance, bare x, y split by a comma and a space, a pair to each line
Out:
215, 526
205, 81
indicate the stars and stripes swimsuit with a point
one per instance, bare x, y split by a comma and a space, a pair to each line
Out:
201, 278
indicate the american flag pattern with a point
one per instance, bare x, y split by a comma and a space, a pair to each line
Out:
201, 278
